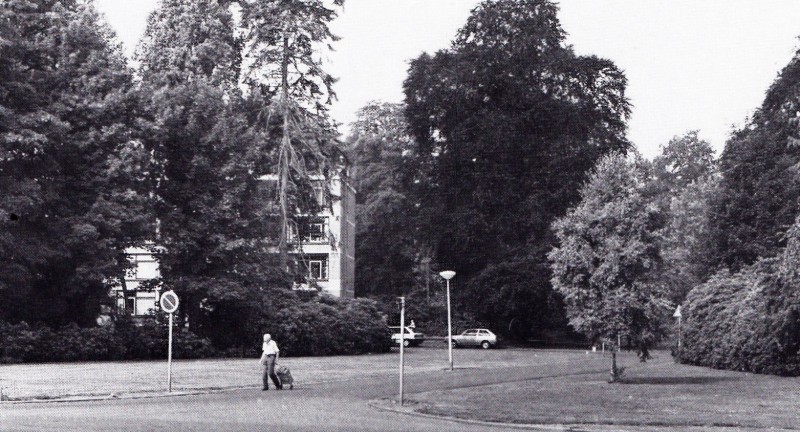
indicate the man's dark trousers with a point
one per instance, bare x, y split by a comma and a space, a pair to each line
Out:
269, 372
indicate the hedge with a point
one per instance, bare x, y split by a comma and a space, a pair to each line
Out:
313, 325
123, 340
329, 326
747, 321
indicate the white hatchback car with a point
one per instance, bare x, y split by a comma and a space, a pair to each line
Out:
411, 337
475, 337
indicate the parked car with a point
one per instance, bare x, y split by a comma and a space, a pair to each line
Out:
476, 338
411, 337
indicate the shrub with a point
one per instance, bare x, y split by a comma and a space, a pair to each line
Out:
124, 340
325, 325
315, 325
749, 320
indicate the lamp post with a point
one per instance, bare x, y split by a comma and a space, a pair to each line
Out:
447, 275
678, 315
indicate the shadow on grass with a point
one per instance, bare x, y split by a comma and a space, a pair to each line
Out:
676, 380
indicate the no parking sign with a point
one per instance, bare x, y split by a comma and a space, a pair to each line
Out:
169, 304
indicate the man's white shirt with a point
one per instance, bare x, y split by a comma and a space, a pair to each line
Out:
270, 348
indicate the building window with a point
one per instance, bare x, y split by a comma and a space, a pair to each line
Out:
319, 194
145, 267
317, 267
144, 305
310, 230
129, 304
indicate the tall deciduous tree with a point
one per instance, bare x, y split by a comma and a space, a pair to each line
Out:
760, 190
71, 190
683, 160
386, 171
214, 227
687, 239
510, 120
685, 182
607, 257
283, 42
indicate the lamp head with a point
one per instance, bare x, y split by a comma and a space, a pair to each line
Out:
447, 274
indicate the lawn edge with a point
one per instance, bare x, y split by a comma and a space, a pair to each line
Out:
390, 405
120, 396
382, 405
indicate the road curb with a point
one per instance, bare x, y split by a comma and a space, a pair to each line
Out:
120, 396
376, 404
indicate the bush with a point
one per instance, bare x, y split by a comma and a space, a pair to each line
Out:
325, 325
315, 325
124, 340
750, 320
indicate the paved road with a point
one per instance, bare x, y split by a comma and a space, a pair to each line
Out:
334, 406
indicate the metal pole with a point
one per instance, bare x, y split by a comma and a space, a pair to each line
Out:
402, 342
169, 356
449, 328
679, 332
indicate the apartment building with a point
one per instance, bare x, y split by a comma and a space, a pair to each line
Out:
322, 245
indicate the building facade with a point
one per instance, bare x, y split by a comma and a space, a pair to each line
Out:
133, 293
322, 245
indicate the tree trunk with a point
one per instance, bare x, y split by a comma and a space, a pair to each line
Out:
283, 158
124, 285
613, 366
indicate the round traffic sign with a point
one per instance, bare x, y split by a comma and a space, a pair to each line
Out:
169, 301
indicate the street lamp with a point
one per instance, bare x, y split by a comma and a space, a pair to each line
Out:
447, 275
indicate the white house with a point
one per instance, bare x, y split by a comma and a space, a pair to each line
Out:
139, 301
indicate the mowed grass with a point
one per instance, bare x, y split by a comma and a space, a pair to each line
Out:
557, 387
45, 381
658, 392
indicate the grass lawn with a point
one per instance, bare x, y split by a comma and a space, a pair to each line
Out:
658, 392
558, 386
35, 381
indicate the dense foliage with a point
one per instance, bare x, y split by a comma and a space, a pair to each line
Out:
93, 161
318, 325
747, 317
607, 263
122, 341
748, 320
505, 125
759, 193
213, 218
330, 326
684, 182
72, 189
386, 173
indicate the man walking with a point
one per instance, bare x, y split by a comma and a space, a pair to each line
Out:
268, 358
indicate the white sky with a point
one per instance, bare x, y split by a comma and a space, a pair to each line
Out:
690, 64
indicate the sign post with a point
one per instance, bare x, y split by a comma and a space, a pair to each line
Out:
678, 315
169, 304
402, 342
